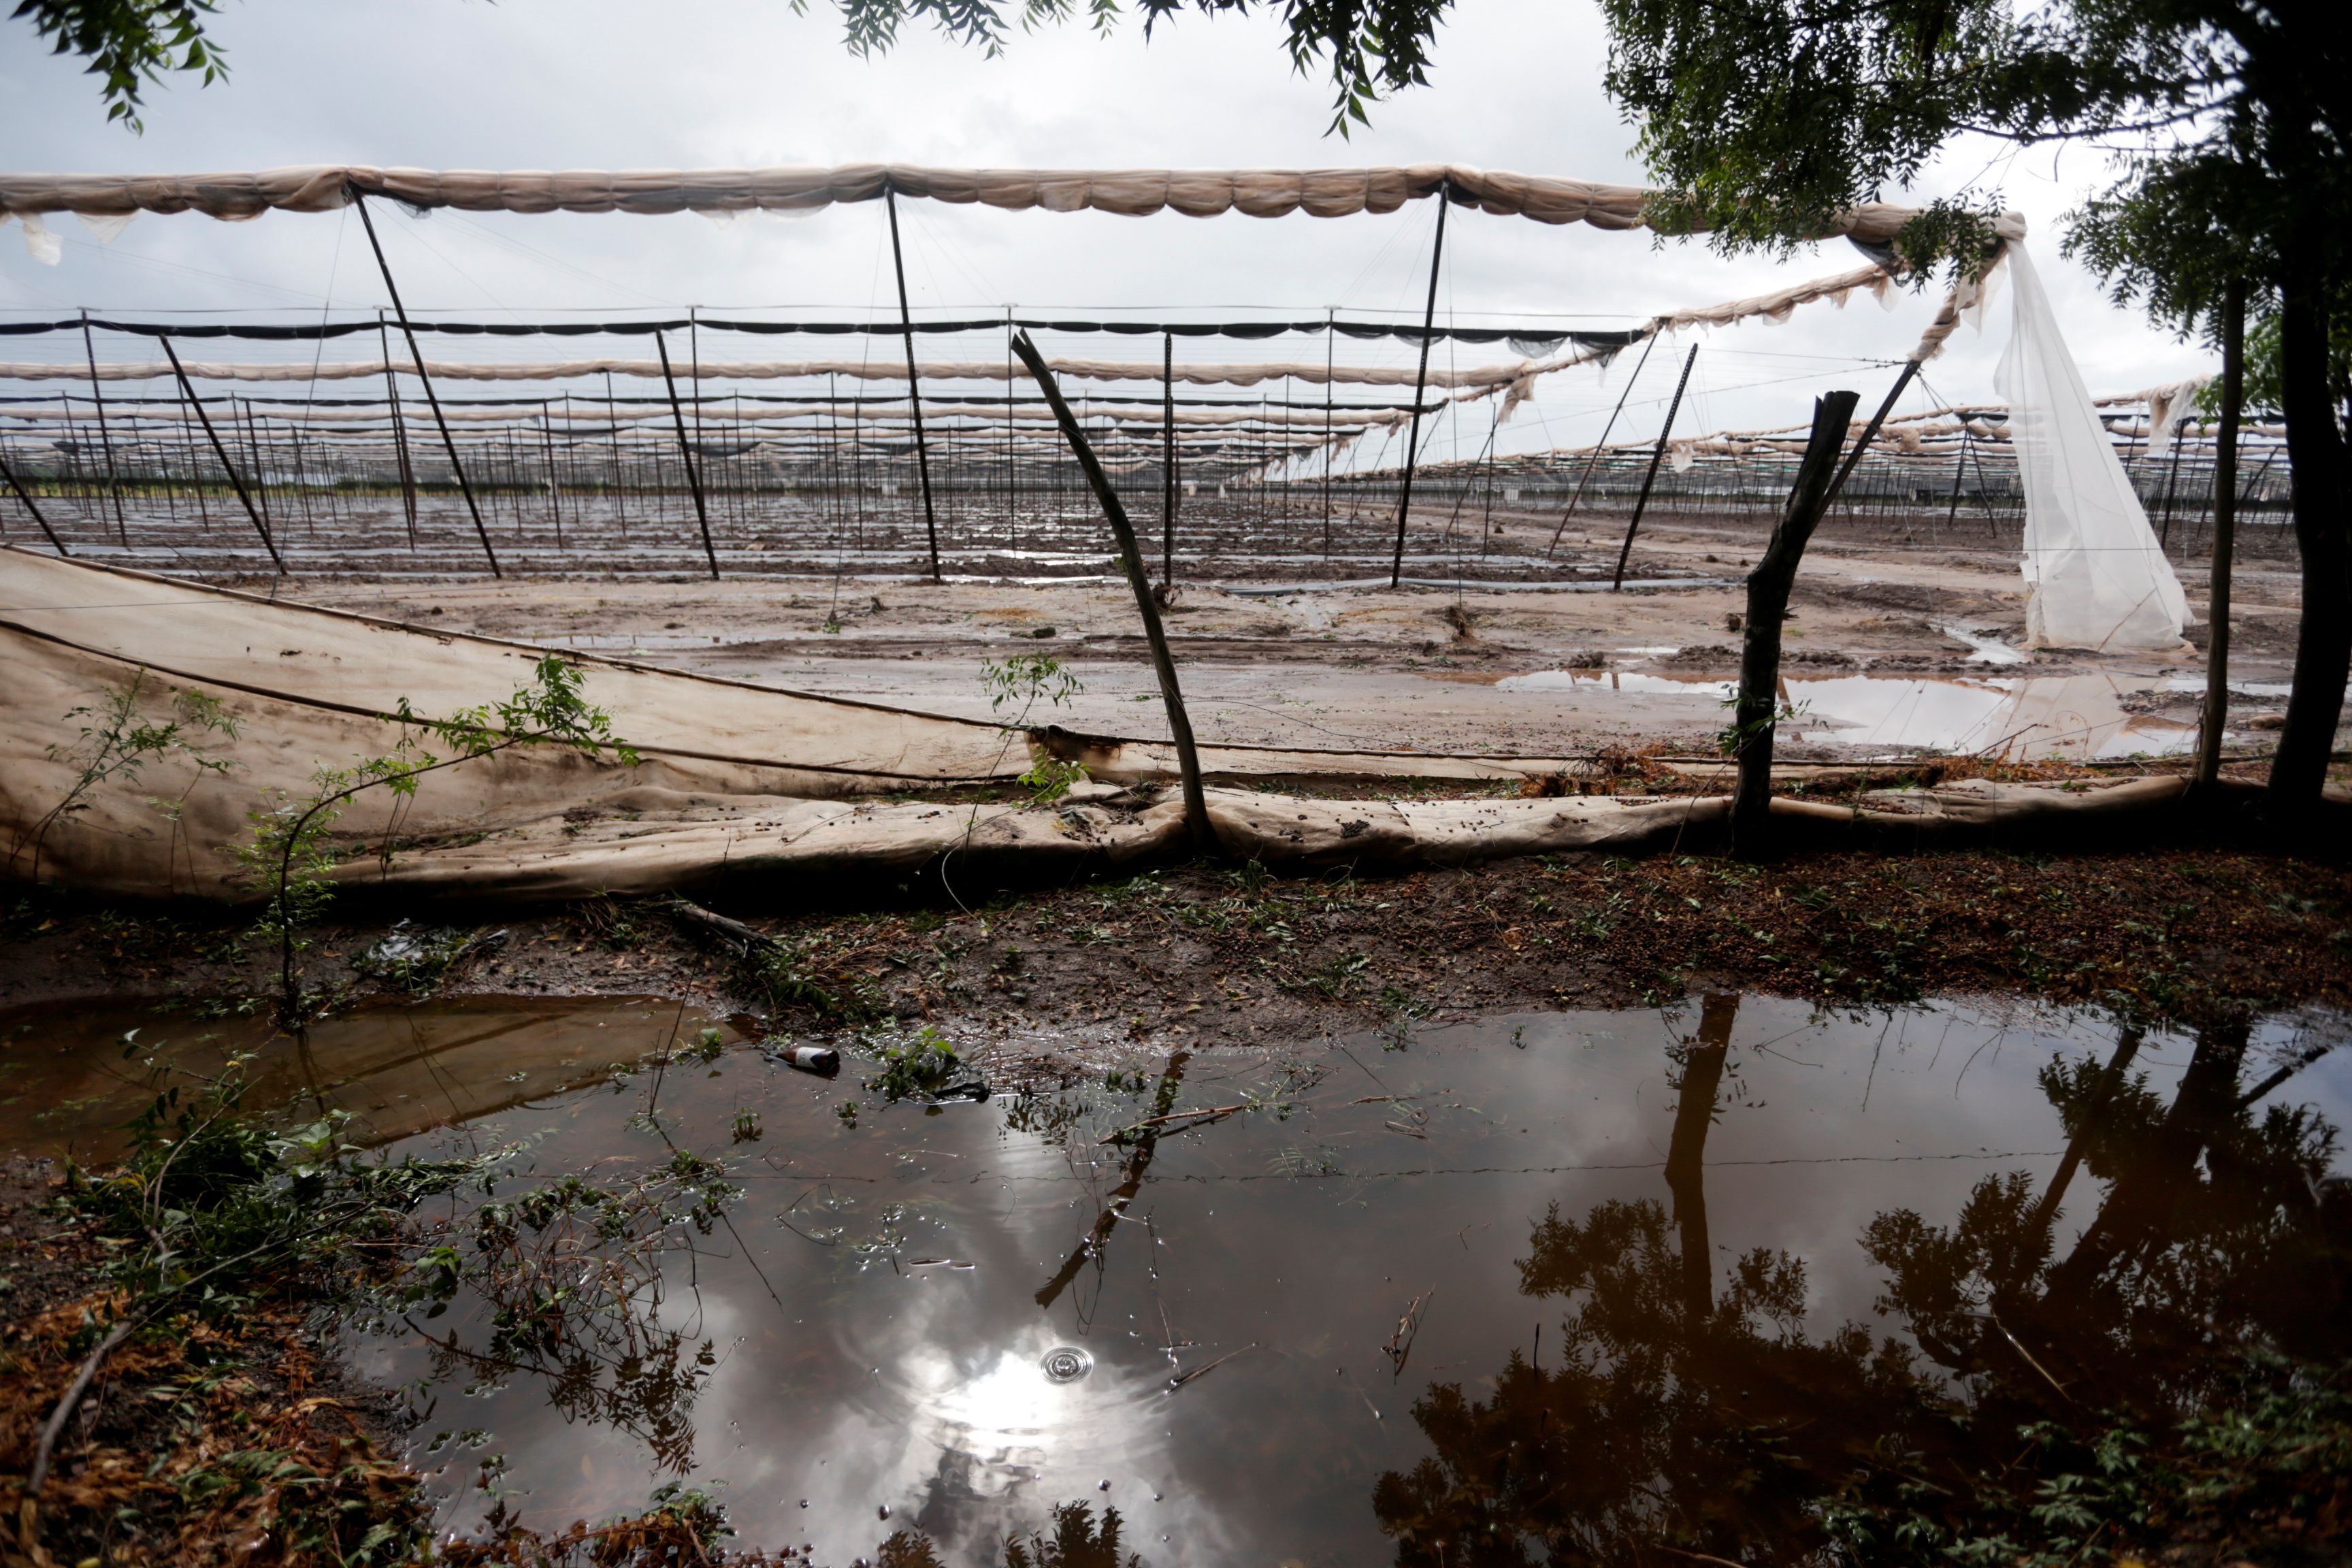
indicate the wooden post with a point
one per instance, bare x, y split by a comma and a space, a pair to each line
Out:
686, 451
2225, 533
432, 399
1601, 446
1420, 384
98, 399
26, 496
1642, 502
914, 389
221, 452
1188, 757
1768, 602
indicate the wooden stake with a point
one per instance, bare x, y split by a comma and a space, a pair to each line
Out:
1130, 553
2225, 535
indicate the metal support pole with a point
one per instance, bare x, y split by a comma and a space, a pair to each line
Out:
914, 391
1168, 461
1602, 445
448, 443
1420, 384
1331, 337
98, 398
221, 452
685, 450
399, 431
26, 496
1642, 502
554, 501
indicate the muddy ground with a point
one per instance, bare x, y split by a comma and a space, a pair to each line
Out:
1421, 668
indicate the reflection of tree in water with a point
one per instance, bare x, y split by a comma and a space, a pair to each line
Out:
1679, 1424
571, 1275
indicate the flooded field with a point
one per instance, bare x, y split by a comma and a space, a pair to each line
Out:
1428, 1294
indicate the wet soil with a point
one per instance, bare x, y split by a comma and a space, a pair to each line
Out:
1215, 955
1345, 661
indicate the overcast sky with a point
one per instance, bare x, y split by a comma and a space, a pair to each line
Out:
596, 83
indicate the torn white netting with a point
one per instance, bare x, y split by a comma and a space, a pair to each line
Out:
2099, 580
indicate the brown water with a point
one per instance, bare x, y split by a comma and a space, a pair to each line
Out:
1539, 1278
73, 1073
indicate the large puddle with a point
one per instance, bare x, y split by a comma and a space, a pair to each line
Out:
1395, 1296
2080, 717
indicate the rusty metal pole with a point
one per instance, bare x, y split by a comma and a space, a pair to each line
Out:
26, 496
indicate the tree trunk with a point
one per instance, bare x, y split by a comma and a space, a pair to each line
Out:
1768, 604
2314, 449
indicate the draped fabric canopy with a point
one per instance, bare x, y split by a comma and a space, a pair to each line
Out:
1134, 192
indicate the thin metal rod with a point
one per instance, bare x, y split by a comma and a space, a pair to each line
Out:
1420, 384
2225, 535
1869, 431
98, 399
1602, 445
914, 390
432, 398
1167, 460
1657, 456
26, 496
1330, 338
685, 450
221, 452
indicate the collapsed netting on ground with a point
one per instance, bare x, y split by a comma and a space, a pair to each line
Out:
2099, 572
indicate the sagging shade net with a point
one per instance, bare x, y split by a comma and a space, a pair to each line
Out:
717, 448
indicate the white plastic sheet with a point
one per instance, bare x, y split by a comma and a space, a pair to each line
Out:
2099, 580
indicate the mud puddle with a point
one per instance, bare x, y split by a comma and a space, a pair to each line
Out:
1284, 1306
72, 1074
2081, 717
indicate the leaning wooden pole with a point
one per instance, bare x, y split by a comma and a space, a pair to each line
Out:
26, 496
1420, 384
914, 388
105, 439
686, 451
432, 399
252, 511
1130, 554
1657, 456
1753, 719
2225, 533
